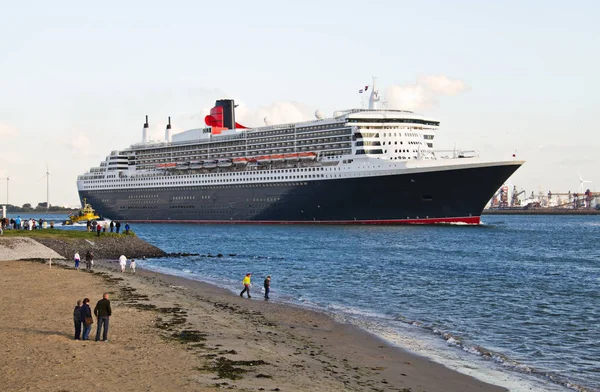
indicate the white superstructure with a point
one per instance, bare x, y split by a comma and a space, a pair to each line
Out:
356, 142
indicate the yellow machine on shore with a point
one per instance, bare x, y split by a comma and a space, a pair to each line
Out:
86, 213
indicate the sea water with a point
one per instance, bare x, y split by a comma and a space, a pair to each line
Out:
514, 302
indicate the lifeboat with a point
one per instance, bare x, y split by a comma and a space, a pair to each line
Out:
307, 156
277, 158
164, 166
182, 166
252, 159
291, 157
211, 164
196, 165
224, 163
263, 159
240, 161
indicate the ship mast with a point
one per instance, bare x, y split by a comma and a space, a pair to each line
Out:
374, 98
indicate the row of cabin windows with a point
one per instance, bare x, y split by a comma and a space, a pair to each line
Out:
393, 120
261, 172
150, 164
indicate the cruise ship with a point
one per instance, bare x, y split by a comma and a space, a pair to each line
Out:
360, 166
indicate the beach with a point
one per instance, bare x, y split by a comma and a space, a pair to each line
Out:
170, 333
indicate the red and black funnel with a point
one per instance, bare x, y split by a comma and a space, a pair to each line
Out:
223, 115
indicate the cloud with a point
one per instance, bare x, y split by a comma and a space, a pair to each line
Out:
7, 130
79, 144
281, 112
442, 84
424, 93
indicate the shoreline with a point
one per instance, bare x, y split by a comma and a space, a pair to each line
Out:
454, 361
297, 348
308, 323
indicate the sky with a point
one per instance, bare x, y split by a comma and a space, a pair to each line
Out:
506, 77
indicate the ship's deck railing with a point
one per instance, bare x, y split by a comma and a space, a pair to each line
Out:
449, 154
351, 111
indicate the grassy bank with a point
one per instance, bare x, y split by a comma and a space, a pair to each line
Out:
62, 234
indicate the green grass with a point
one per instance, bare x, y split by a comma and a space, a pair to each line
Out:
58, 233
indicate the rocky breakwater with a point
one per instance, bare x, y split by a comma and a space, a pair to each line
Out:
103, 247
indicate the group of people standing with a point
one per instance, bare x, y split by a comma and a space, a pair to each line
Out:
247, 284
83, 320
113, 226
82, 314
89, 260
25, 224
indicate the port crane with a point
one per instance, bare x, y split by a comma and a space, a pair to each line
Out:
574, 200
515, 201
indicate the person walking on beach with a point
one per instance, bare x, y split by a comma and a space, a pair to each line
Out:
98, 228
89, 260
77, 320
103, 312
77, 259
123, 262
267, 286
112, 226
127, 228
88, 225
105, 227
246, 283
86, 317
118, 226
132, 266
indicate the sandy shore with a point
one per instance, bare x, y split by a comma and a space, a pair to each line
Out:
169, 333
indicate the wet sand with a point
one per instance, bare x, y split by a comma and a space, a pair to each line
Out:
169, 333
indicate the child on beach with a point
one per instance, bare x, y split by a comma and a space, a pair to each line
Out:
77, 259
132, 266
246, 284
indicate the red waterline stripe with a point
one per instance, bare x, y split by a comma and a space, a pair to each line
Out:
471, 220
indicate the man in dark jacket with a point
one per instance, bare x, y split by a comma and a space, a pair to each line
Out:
89, 260
267, 286
77, 320
118, 226
103, 312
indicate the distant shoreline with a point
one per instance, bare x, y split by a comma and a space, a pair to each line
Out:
42, 212
540, 211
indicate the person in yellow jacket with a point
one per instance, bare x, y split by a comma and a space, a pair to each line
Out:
246, 283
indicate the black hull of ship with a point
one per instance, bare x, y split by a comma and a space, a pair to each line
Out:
441, 196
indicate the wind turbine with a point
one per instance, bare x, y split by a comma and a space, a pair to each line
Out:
47, 175
581, 184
